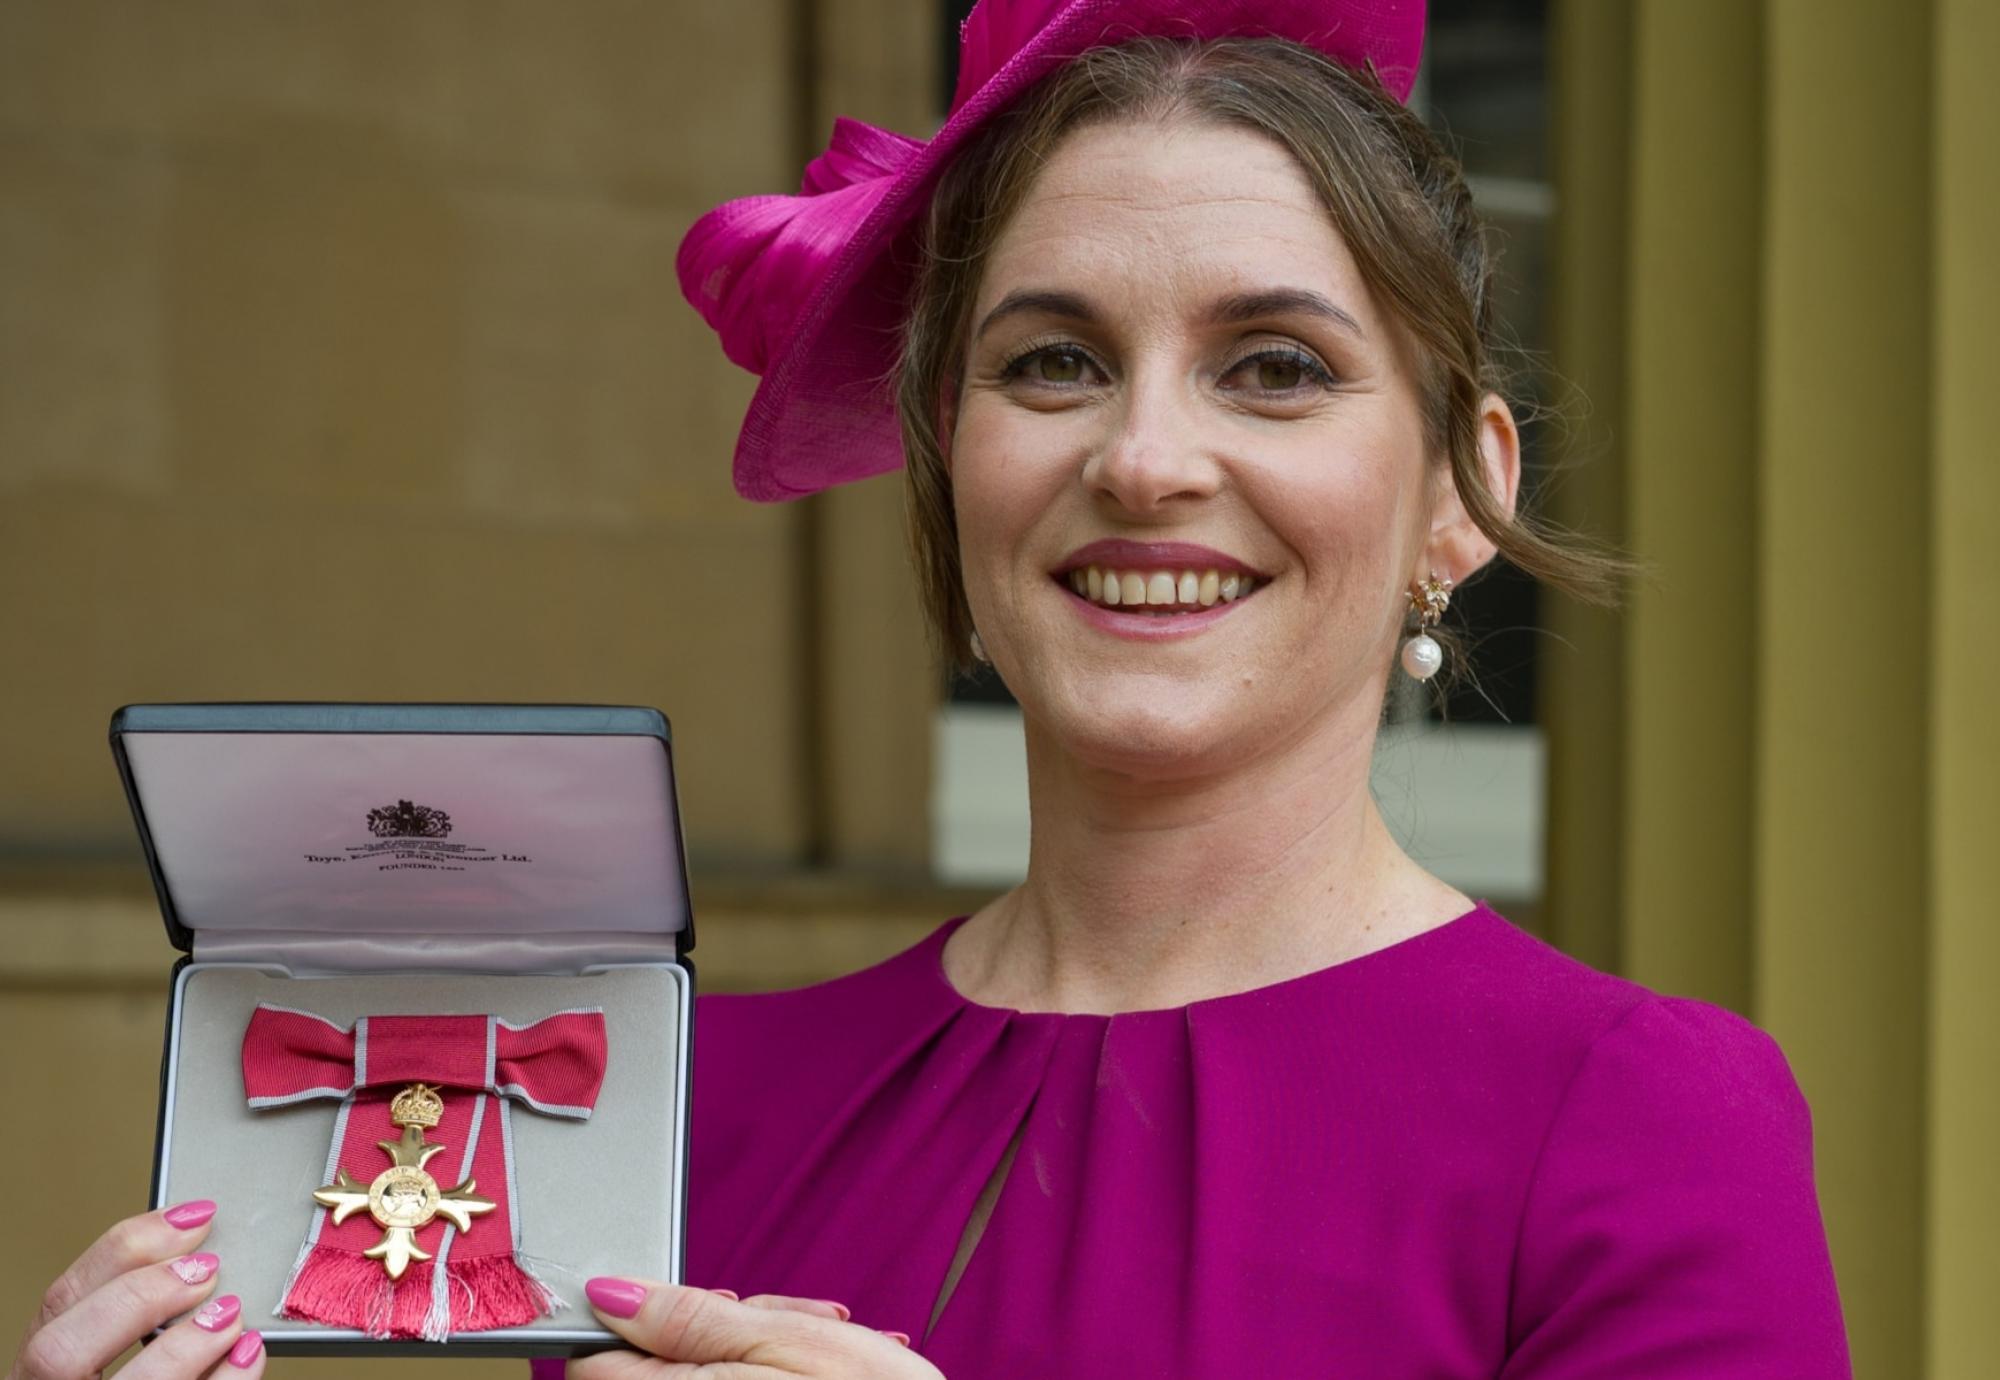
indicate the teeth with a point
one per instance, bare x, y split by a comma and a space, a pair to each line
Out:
1170, 589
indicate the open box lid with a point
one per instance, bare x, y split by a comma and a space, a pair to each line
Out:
408, 825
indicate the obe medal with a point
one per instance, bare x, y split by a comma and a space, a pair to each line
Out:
399, 1271
404, 1197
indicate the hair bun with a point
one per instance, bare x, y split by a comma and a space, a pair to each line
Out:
751, 265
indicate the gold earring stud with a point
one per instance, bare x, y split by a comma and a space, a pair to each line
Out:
1429, 598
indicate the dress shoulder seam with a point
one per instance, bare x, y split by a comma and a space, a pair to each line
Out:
1548, 1134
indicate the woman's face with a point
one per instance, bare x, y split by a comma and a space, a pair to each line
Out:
1178, 380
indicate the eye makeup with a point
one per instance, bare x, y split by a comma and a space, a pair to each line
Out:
1310, 369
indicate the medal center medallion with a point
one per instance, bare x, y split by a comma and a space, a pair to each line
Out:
402, 1196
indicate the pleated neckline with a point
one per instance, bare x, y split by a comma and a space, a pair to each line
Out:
1304, 986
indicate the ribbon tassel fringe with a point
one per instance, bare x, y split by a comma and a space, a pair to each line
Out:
481, 1293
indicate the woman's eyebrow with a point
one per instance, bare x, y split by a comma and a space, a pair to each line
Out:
1231, 310
1249, 306
1048, 303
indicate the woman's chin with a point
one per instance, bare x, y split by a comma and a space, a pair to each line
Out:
1152, 727
1146, 737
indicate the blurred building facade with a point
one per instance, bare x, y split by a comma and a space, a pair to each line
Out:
341, 357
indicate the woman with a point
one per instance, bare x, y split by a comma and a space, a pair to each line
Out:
1192, 379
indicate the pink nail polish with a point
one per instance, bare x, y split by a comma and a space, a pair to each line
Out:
845, 1312
188, 1216
247, 1349
729, 1294
198, 1268
217, 1314
621, 1298
902, 1338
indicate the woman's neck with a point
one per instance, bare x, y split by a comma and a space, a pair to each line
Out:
1143, 895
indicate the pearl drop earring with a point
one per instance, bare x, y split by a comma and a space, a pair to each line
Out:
979, 650
1421, 654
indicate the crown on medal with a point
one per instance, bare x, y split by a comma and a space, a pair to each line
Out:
417, 1105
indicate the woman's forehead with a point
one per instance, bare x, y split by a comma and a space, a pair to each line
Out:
1148, 214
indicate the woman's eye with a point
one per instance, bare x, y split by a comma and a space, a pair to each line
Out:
1278, 374
1054, 364
1271, 371
1283, 371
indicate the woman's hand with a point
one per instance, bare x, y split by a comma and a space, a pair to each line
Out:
702, 1334
133, 1278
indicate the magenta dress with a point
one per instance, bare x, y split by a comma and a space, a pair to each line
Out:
1463, 1156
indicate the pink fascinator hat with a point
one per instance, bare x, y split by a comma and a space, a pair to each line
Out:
806, 290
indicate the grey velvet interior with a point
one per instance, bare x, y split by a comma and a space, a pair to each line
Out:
596, 1197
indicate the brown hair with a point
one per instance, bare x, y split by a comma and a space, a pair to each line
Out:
1396, 196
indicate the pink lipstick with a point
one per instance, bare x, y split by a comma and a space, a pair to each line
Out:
1154, 555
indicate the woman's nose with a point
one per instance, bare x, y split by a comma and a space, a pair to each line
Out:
1154, 454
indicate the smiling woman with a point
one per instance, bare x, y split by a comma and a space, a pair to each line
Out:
1188, 322
1361, 170
1288, 444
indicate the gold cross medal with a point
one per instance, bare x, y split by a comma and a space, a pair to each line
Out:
404, 1197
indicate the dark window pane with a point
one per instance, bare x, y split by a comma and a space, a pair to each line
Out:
1485, 88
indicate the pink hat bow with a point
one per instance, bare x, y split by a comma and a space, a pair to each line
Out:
750, 265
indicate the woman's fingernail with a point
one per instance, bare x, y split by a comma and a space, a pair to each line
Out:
187, 1216
845, 1312
620, 1298
217, 1314
198, 1268
729, 1294
901, 1337
246, 1351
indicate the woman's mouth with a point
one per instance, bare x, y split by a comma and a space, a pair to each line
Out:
1157, 591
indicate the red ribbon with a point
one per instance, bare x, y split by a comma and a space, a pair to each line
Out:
475, 1280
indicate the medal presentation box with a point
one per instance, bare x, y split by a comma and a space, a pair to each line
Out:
427, 1046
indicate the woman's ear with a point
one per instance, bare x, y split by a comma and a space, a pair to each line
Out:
1456, 547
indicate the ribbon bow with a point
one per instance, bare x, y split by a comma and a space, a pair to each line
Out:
441, 1279
750, 266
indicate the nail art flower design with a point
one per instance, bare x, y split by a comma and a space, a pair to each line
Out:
192, 1269
211, 1315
